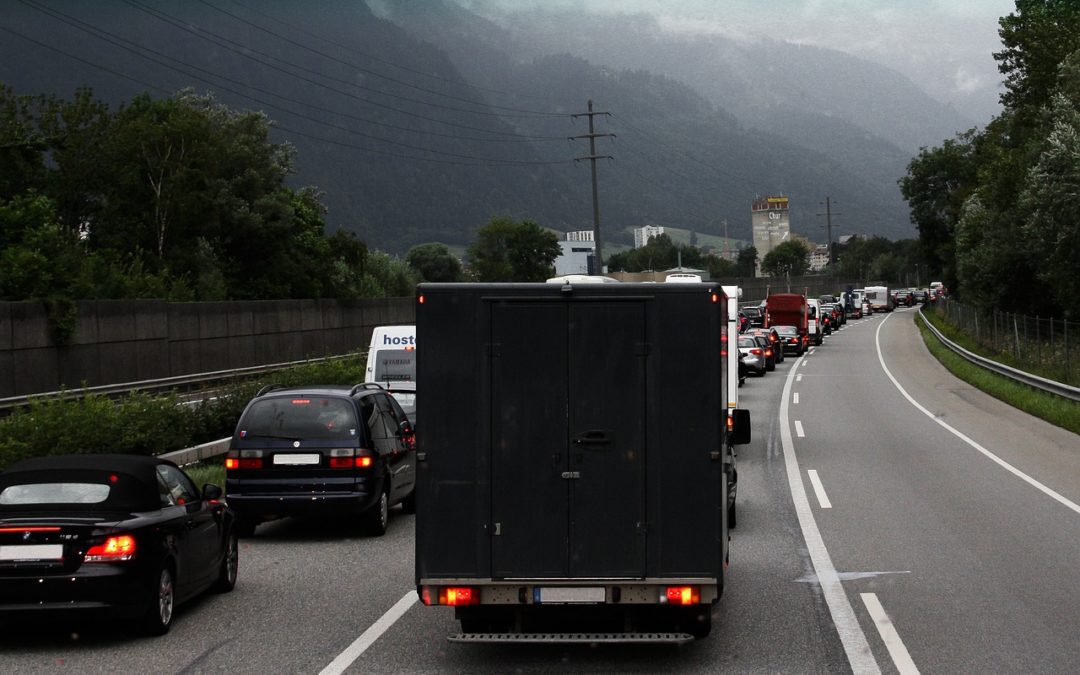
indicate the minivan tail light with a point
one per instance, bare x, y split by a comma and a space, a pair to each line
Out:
113, 549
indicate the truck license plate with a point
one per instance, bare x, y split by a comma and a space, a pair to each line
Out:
568, 594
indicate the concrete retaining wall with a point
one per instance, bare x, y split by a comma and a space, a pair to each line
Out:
119, 341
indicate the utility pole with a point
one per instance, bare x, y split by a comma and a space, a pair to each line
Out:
592, 156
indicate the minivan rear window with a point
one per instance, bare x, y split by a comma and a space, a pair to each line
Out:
300, 417
393, 365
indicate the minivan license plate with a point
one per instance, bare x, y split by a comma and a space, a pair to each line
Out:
304, 458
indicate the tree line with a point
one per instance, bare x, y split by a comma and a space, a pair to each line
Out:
998, 209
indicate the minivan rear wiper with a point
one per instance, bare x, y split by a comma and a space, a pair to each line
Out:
281, 438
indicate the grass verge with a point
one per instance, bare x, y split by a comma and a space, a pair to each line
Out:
208, 471
1054, 409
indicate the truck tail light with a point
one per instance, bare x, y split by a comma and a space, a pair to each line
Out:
681, 595
114, 549
452, 596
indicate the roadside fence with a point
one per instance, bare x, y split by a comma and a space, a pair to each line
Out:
1043, 345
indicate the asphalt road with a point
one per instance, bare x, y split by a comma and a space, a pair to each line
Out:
930, 556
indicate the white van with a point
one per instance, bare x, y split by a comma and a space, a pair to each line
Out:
813, 321
880, 299
682, 278
391, 354
582, 279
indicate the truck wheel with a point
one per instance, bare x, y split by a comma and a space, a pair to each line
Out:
377, 516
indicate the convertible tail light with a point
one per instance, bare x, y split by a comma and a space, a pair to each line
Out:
114, 549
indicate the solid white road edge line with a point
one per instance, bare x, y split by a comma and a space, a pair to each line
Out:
368, 637
795, 398
847, 625
893, 643
819, 489
798, 429
1005, 465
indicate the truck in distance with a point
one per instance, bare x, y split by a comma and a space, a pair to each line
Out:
790, 309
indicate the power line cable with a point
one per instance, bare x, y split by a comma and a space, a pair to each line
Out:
683, 153
366, 55
135, 50
246, 51
85, 62
274, 125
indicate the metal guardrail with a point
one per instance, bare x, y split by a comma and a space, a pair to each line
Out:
1042, 383
199, 452
164, 383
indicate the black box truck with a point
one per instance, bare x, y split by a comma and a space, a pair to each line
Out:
574, 459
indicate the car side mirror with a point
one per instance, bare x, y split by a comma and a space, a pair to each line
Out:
211, 492
739, 430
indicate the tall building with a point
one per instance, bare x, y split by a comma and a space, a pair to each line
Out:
642, 235
579, 235
771, 223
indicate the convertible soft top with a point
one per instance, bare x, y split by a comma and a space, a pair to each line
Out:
132, 479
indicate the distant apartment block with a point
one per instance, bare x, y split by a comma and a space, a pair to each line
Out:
642, 235
819, 258
580, 235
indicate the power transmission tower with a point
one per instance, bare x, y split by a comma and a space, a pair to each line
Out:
592, 156
828, 228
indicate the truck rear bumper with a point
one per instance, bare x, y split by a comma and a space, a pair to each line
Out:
650, 591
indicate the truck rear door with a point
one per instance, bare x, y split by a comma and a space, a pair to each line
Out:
568, 410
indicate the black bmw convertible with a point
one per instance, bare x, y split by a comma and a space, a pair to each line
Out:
122, 536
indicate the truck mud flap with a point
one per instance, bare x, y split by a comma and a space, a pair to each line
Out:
573, 638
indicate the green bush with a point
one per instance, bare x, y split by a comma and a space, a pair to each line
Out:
149, 424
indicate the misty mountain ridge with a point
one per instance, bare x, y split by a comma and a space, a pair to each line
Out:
422, 121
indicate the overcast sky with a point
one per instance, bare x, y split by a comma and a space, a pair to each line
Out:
944, 46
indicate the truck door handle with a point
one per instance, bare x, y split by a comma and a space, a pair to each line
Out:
594, 437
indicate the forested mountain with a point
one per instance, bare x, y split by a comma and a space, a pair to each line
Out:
422, 122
